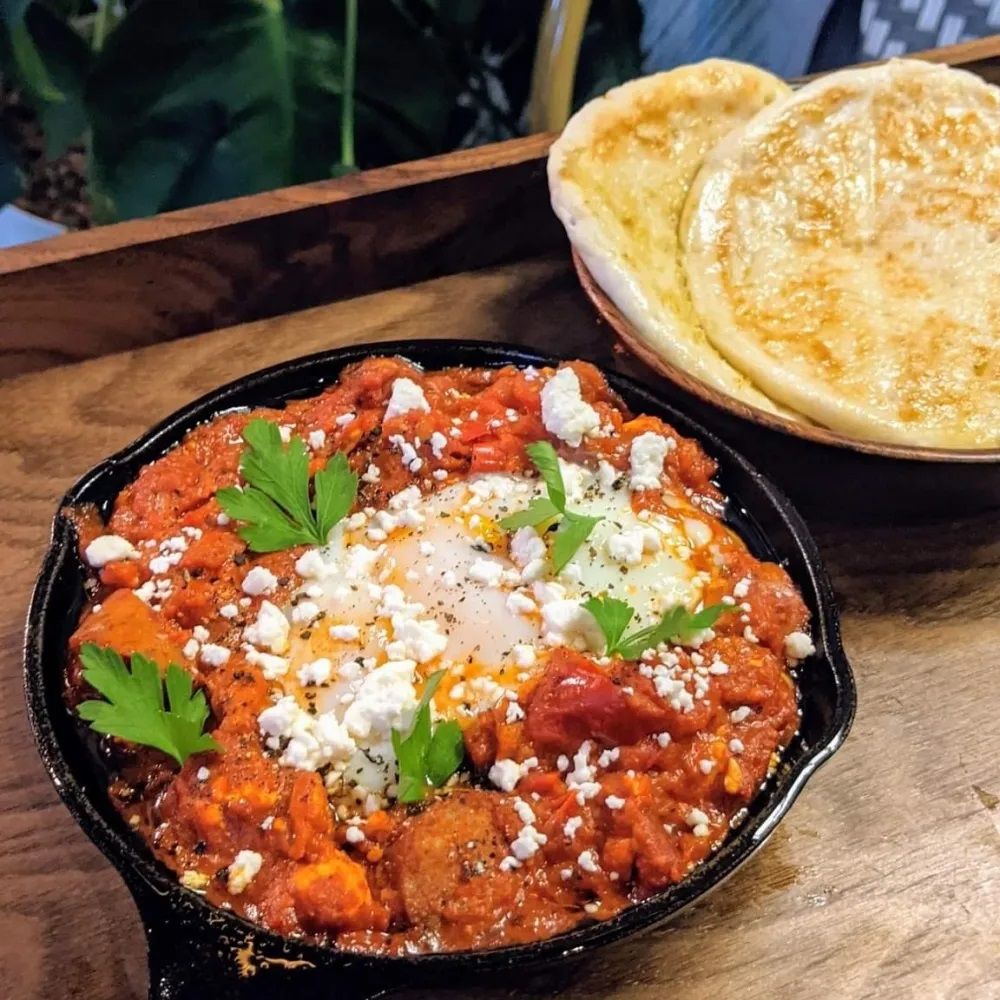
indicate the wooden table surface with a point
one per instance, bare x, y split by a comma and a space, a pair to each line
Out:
884, 882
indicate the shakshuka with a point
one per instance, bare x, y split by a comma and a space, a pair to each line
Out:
443, 660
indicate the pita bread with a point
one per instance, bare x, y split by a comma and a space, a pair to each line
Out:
843, 252
619, 175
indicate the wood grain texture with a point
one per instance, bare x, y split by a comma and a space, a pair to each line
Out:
62, 300
884, 882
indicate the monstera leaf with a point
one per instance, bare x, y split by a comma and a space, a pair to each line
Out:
192, 102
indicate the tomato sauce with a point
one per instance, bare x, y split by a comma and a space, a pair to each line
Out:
431, 877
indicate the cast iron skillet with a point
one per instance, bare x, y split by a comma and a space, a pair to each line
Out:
197, 951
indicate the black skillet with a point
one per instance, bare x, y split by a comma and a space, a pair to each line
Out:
197, 951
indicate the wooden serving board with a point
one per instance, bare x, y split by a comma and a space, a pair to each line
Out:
884, 882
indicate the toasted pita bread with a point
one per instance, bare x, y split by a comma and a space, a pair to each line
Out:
843, 251
619, 175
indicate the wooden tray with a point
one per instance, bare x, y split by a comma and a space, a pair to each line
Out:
884, 881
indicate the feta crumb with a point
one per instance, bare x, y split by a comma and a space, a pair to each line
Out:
229, 611
571, 826
486, 571
524, 655
270, 630
345, 633
242, 871
354, 835
798, 645
317, 672
317, 439
565, 413
190, 649
109, 548
406, 396
614, 802
587, 860
646, 460
740, 714
202, 774
259, 580
344, 419
214, 655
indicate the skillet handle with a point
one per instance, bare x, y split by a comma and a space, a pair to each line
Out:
194, 958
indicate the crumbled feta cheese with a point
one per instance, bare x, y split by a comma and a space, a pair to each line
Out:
317, 672
317, 439
406, 396
525, 546
203, 774
109, 548
271, 666
740, 714
190, 649
524, 655
614, 802
243, 870
587, 860
571, 826
385, 700
527, 843
565, 413
505, 774
285, 431
486, 571
345, 633
259, 580
213, 655
696, 817
646, 460
438, 443
569, 623
229, 611
270, 630
344, 419
736, 746
305, 612
629, 546
798, 645
742, 588
354, 835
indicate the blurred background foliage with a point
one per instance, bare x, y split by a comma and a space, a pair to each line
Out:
152, 105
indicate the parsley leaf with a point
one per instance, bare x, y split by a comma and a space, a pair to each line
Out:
427, 758
677, 625
613, 617
573, 530
275, 508
135, 709
540, 510
544, 458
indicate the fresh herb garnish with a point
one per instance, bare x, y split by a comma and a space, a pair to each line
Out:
137, 711
677, 625
427, 759
275, 508
573, 529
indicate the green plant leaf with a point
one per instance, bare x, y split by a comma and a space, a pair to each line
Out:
677, 625
445, 753
336, 488
274, 509
426, 758
141, 707
544, 458
193, 102
613, 617
573, 531
538, 512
